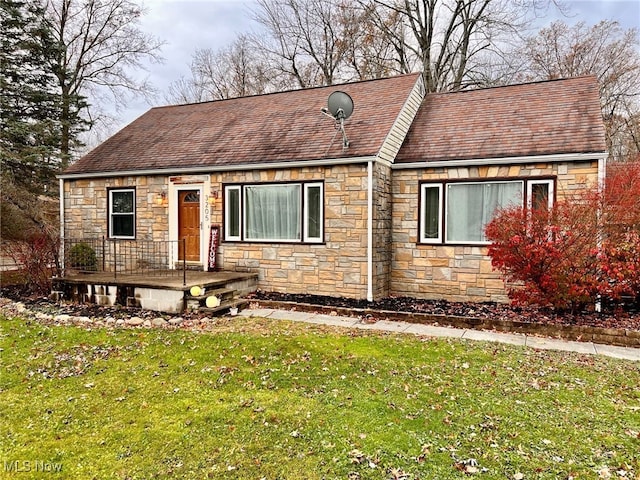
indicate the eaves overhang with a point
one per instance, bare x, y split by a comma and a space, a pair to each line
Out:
526, 159
221, 168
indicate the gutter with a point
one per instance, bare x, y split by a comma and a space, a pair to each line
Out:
221, 168
477, 162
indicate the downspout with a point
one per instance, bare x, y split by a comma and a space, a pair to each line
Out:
602, 175
370, 231
61, 197
602, 172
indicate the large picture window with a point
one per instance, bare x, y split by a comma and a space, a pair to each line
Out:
458, 212
470, 206
288, 212
122, 213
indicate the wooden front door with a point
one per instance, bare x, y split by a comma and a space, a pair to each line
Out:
189, 224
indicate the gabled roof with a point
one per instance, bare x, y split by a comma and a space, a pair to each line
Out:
277, 127
544, 118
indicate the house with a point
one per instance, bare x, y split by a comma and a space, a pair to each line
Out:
398, 211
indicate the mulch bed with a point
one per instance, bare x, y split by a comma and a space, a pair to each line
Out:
621, 318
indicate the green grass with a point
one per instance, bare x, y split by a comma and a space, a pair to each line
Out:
258, 399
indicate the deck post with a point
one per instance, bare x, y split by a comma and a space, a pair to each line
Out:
184, 261
115, 261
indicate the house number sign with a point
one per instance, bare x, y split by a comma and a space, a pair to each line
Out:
214, 240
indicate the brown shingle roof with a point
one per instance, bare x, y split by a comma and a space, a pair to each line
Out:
278, 127
552, 117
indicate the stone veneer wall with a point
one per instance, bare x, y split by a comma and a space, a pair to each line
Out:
85, 207
338, 267
382, 230
85, 218
452, 272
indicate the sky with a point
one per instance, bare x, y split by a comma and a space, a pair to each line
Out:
186, 25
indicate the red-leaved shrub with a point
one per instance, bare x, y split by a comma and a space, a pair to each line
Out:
38, 259
586, 247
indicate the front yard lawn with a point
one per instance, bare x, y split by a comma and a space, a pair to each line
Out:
277, 400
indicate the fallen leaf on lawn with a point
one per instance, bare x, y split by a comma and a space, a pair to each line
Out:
632, 433
356, 456
398, 474
604, 472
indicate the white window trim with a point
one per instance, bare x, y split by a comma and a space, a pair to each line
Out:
304, 236
305, 217
111, 213
484, 182
275, 240
443, 213
227, 213
423, 204
531, 183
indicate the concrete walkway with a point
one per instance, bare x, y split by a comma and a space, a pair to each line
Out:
541, 343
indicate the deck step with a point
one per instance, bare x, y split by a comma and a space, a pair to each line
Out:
220, 292
238, 302
227, 297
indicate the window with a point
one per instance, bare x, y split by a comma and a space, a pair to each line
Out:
288, 212
431, 216
314, 212
232, 213
467, 207
540, 194
122, 213
470, 206
272, 212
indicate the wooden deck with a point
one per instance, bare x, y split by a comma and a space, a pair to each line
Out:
170, 293
171, 280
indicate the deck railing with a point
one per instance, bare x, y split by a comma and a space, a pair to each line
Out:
124, 257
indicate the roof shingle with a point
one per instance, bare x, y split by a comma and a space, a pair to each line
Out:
544, 118
277, 127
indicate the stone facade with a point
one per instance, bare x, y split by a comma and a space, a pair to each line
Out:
460, 272
85, 206
336, 267
86, 219
382, 229
339, 265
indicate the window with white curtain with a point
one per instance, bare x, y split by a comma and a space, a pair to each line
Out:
458, 212
470, 206
287, 212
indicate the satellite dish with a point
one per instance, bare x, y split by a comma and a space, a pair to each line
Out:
340, 105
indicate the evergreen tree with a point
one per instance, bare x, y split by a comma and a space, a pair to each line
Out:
29, 104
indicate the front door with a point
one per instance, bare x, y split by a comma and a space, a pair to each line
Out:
189, 224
